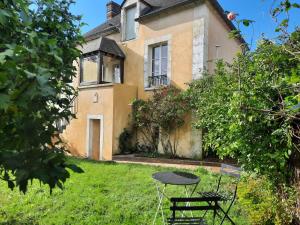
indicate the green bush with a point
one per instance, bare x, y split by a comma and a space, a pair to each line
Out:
158, 119
257, 199
125, 142
263, 205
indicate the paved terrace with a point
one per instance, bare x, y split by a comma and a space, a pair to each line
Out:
175, 163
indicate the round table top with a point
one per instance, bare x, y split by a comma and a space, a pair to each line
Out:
176, 178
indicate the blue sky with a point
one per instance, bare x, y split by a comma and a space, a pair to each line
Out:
94, 13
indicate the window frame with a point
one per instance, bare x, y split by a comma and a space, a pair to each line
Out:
134, 22
100, 64
160, 46
161, 79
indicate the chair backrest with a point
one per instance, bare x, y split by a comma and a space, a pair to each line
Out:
231, 171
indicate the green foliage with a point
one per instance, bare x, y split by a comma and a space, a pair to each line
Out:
280, 12
246, 109
258, 200
210, 99
261, 203
159, 118
126, 141
38, 45
250, 111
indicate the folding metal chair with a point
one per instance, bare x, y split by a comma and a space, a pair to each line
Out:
224, 196
181, 205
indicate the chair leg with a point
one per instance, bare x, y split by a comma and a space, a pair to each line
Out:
226, 216
214, 219
210, 204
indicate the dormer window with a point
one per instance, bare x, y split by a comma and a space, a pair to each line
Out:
130, 29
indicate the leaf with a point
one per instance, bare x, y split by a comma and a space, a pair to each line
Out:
10, 184
3, 15
296, 107
60, 185
29, 74
42, 80
25, 17
21, 176
4, 101
284, 23
58, 58
296, 5
247, 22
75, 168
287, 5
7, 53
275, 12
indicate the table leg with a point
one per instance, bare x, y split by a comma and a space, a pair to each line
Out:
160, 194
194, 189
188, 203
190, 195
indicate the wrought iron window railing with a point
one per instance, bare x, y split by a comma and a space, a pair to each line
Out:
156, 81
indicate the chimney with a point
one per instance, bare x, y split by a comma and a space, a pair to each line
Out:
113, 9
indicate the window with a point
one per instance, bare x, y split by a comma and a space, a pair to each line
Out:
111, 70
159, 71
117, 73
101, 69
130, 23
90, 68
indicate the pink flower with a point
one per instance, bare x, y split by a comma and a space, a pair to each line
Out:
231, 16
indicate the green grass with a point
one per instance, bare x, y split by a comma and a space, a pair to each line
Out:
110, 194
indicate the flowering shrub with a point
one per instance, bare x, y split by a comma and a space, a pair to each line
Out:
158, 119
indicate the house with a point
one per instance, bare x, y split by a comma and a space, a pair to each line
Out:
144, 44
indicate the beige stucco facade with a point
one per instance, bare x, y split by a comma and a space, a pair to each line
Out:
196, 37
111, 105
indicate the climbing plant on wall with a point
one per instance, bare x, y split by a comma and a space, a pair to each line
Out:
158, 119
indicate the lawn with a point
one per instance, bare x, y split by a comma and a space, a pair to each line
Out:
106, 193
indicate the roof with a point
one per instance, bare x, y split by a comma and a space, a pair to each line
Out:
158, 6
108, 26
155, 7
105, 45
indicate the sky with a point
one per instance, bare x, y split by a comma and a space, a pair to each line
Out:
94, 13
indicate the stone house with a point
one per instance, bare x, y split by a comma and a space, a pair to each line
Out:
142, 45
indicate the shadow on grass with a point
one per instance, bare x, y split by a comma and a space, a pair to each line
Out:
18, 222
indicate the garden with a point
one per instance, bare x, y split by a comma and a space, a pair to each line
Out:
248, 111
107, 193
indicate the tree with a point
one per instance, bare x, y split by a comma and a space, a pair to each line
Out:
38, 45
249, 110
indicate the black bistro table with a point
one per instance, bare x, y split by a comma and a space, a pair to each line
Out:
163, 179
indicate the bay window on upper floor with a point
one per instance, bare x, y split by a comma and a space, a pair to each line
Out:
100, 69
89, 69
111, 70
102, 62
